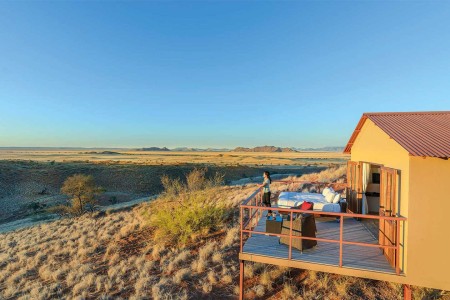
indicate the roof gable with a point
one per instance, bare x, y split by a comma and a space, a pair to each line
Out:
419, 133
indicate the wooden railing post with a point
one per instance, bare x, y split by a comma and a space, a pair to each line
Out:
290, 237
341, 230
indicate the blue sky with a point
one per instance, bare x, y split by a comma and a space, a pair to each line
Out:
215, 74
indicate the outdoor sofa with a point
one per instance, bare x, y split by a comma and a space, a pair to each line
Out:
327, 201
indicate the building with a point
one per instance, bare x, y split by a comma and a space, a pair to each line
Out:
398, 213
399, 167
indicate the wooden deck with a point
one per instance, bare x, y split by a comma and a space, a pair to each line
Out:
354, 257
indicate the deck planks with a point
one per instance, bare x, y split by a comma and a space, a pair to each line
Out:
356, 257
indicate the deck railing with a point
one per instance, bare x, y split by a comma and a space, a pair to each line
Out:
251, 210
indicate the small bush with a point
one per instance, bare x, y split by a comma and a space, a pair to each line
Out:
186, 210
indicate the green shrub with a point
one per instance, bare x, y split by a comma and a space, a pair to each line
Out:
186, 210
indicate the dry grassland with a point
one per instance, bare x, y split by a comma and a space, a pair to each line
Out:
114, 256
175, 158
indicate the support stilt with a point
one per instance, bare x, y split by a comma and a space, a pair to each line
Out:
407, 295
241, 280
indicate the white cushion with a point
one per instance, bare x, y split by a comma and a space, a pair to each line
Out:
325, 191
329, 197
336, 198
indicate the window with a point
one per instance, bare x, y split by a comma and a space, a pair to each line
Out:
375, 177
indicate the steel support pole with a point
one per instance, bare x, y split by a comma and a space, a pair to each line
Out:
241, 280
407, 295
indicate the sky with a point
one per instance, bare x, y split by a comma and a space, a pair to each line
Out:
215, 73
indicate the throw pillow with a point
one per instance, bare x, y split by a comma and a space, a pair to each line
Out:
307, 205
329, 197
337, 198
325, 191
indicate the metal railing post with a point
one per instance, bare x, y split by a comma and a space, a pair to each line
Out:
241, 280
290, 237
242, 223
259, 200
341, 231
407, 293
397, 248
251, 221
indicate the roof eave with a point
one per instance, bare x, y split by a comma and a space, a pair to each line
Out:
351, 141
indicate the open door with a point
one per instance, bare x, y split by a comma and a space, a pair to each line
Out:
388, 194
354, 187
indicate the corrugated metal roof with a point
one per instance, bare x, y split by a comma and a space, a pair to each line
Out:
420, 133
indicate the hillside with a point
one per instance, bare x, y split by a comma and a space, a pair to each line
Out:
25, 185
115, 255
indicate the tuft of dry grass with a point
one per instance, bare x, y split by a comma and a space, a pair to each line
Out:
206, 287
217, 257
259, 290
181, 275
157, 251
249, 270
179, 259
199, 265
231, 237
206, 251
212, 278
265, 279
227, 278
289, 291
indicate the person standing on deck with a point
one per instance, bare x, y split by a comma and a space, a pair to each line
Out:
266, 190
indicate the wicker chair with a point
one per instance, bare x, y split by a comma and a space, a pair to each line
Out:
304, 225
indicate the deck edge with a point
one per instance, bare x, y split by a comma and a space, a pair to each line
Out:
323, 268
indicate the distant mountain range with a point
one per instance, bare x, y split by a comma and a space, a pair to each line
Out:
153, 149
263, 149
279, 149
183, 149
322, 149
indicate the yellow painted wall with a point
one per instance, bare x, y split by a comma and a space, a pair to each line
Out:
374, 146
429, 223
424, 200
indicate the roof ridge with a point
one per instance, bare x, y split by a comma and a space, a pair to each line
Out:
441, 112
